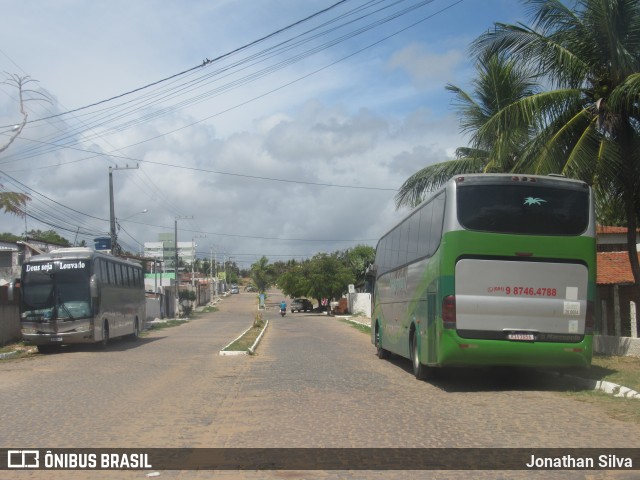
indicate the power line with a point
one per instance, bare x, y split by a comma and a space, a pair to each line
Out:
282, 64
198, 169
203, 64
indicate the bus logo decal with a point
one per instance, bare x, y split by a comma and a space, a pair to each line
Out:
534, 201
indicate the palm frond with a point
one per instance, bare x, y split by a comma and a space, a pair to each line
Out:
14, 203
430, 178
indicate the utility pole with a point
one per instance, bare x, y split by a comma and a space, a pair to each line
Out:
193, 258
112, 215
211, 272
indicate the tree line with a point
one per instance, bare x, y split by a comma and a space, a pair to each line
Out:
325, 275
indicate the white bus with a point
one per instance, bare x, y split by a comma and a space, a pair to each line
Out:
78, 295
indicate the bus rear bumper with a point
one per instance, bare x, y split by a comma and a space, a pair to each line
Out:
57, 338
457, 351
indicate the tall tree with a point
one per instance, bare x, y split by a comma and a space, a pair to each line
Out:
328, 277
262, 274
357, 259
587, 124
294, 282
498, 84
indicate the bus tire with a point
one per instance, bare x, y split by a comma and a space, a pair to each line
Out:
105, 334
380, 352
420, 370
136, 331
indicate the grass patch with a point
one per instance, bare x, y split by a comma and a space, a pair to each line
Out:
358, 326
243, 343
624, 371
11, 347
207, 309
162, 325
22, 349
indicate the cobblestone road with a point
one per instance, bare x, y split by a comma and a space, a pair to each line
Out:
315, 382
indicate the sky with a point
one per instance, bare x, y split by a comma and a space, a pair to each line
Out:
280, 128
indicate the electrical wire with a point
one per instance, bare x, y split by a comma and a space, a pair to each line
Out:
269, 70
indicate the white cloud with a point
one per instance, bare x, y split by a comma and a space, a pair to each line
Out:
369, 120
428, 70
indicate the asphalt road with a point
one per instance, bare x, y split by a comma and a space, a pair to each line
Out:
314, 382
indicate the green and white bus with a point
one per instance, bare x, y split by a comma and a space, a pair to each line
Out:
490, 270
78, 295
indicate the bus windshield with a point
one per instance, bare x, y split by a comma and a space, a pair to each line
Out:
56, 290
530, 209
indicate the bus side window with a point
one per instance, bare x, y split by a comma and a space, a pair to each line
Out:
122, 275
383, 264
97, 270
436, 223
403, 239
395, 248
424, 249
114, 276
414, 237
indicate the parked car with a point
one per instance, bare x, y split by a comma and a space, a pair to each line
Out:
301, 305
234, 289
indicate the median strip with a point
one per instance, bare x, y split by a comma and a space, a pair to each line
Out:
248, 340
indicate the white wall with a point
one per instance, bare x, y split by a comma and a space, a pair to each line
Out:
360, 303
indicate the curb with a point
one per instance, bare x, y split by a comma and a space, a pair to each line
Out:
603, 386
251, 349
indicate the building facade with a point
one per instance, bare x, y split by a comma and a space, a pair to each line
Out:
164, 252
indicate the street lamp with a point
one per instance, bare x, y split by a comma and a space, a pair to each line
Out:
131, 216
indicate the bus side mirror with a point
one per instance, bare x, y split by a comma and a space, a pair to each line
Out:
13, 284
93, 286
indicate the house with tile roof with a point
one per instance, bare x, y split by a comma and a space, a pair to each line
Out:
618, 296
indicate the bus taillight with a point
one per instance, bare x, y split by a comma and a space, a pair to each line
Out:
449, 311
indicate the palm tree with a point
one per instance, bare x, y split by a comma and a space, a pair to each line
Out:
499, 83
587, 124
14, 202
262, 274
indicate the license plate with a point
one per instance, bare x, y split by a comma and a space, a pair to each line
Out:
55, 339
521, 337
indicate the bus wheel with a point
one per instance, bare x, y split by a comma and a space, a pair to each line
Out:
380, 352
105, 334
421, 371
136, 331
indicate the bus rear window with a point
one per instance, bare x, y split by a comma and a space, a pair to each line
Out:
523, 209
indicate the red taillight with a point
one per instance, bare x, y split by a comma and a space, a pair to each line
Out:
449, 311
